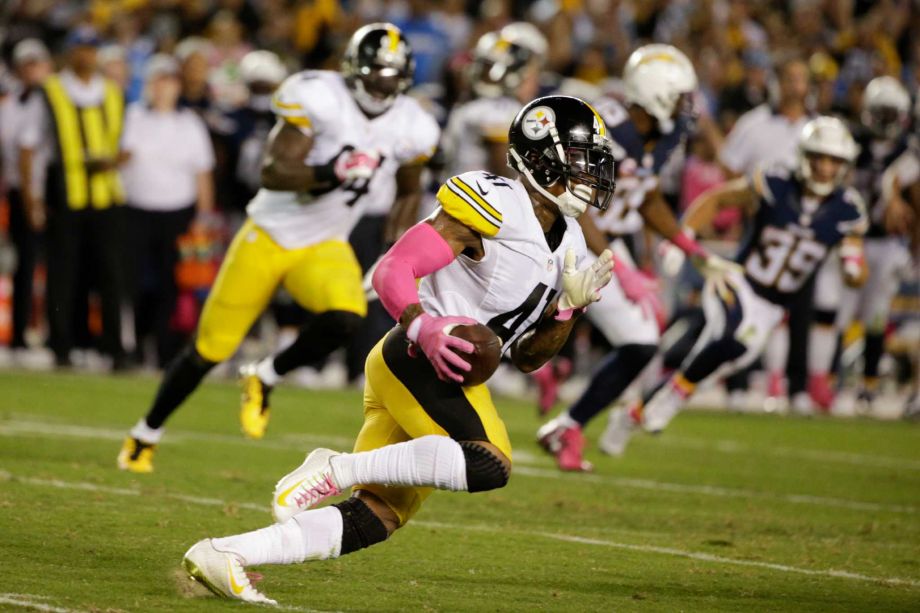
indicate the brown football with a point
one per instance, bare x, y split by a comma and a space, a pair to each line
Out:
486, 355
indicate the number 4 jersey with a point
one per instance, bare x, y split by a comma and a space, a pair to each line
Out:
520, 273
319, 103
792, 234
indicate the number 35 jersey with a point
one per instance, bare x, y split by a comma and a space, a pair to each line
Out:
791, 234
519, 275
319, 103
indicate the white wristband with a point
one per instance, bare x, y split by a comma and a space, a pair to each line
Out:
414, 328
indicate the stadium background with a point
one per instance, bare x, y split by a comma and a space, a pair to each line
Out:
736, 47
853, 506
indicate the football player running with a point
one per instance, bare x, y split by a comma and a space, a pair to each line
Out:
341, 139
505, 253
882, 136
796, 220
504, 74
646, 133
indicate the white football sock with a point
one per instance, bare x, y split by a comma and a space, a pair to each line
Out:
777, 351
265, 370
429, 461
144, 433
566, 420
822, 341
310, 535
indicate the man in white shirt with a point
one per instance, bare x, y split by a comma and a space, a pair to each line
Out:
22, 107
168, 177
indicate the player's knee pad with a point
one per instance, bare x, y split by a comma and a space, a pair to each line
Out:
484, 471
361, 528
825, 317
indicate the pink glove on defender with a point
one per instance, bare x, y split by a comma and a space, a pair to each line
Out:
432, 334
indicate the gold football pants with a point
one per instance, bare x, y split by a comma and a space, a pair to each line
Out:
321, 277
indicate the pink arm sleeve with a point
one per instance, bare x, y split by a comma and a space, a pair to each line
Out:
419, 252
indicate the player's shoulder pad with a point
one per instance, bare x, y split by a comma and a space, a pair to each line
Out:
307, 99
855, 219
475, 199
770, 181
418, 130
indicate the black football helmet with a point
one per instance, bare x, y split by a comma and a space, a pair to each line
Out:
562, 138
498, 65
378, 66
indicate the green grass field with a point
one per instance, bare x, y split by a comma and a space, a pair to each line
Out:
721, 513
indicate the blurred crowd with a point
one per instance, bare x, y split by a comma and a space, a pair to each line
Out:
129, 281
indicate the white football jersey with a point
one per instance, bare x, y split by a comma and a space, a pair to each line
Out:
470, 126
319, 103
638, 169
518, 277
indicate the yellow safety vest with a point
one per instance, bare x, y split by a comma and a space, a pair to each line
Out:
84, 133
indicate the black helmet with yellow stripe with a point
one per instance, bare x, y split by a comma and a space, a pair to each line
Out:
563, 139
378, 66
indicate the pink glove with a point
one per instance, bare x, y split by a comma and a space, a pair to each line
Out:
432, 334
636, 286
639, 288
352, 165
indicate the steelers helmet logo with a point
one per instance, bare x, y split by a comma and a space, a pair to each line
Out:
537, 122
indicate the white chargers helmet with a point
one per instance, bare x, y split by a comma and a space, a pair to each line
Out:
526, 35
262, 67
656, 77
886, 107
825, 136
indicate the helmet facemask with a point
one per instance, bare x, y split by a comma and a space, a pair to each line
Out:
378, 67
806, 170
586, 170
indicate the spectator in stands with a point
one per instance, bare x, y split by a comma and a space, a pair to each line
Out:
85, 195
193, 57
168, 179
21, 108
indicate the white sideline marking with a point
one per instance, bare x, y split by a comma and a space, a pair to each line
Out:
28, 601
818, 455
568, 538
713, 490
44, 429
670, 551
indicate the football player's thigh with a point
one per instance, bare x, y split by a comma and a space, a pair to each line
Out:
621, 321
379, 430
247, 279
759, 318
422, 404
327, 277
886, 259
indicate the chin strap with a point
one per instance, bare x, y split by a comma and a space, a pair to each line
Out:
569, 204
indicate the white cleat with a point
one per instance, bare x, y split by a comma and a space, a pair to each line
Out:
221, 572
619, 430
661, 409
306, 486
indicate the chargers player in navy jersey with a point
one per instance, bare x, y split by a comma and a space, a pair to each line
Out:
882, 136
647, 133
796, 219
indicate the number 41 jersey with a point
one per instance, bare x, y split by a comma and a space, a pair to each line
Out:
320, 105
792, 234
521, 271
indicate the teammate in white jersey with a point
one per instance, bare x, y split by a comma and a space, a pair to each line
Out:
505, 73
499, 252
342, 139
